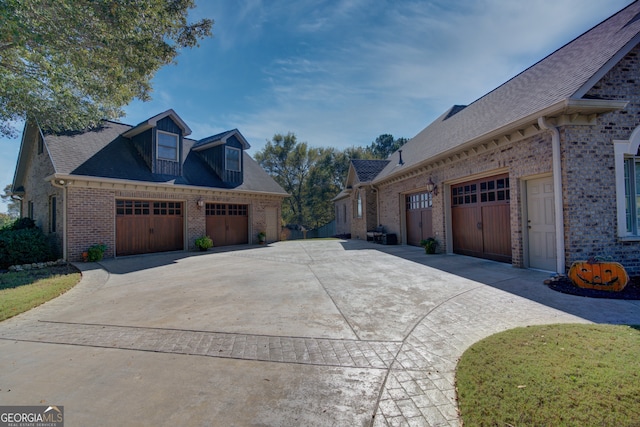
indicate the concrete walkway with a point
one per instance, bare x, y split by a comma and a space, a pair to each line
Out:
314, 333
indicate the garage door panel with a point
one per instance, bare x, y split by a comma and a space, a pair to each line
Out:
147, 227
227, 224
496, 232
237, 230
427, 223
418, 217
467, 236
167, 234
413, 228
216, 229
132, 235
480, 214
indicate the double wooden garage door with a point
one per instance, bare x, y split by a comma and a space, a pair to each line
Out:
227, 224
148, 226
419, 218
480, 217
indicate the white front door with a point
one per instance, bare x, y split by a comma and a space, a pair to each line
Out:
541, 224
272, 224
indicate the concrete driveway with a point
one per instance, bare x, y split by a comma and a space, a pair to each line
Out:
314, 333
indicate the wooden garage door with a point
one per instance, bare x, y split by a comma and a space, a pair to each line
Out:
228, 224
148, 226
419, 218
480, 216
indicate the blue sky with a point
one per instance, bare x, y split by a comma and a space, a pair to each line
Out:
340, 73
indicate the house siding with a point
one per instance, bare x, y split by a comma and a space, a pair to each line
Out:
589, 171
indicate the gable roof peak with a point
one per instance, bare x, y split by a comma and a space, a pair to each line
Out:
153, 121
219, 139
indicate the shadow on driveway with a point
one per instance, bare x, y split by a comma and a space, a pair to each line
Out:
525, 283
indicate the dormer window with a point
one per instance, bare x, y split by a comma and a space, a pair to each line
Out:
167, 146
232, 156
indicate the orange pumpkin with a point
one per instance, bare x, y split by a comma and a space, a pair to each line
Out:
604, 276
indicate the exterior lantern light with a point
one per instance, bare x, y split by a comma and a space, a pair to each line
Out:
432, 187
200, 203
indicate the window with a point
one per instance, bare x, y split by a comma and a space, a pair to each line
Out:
358, 208
632, 194
627, 169
232, 156
132, 207
40, 143
30, 209
167, 146
52, 214
419, 201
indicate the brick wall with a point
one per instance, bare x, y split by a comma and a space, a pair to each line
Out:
90, 220
38, 191
531, 156
91, 215
589, 171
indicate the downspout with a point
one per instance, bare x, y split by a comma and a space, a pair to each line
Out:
375, 190
557, 192
63, 185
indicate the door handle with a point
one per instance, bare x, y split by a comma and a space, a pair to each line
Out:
479, 225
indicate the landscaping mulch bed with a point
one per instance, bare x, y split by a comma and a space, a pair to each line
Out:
565, 285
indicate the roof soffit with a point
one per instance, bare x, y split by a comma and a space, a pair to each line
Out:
566, 112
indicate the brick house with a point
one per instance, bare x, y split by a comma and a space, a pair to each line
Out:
144, 188
540, 172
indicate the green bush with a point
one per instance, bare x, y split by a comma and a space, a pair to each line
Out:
203, 243
24, 246
96, 252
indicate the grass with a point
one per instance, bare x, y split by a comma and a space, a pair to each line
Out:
24, 290
553, 375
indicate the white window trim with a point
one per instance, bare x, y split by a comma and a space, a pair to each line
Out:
359, 204
177, 137
624, 149
226, 164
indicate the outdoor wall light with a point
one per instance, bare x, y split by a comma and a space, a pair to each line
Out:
432, 187
200, 203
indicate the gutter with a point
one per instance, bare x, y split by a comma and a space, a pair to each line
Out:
160, 186
557, 193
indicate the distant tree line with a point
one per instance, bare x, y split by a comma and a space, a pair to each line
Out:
314, 176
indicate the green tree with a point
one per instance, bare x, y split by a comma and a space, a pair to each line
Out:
385, 145
5, 220
70, 63
289, 163
13, 206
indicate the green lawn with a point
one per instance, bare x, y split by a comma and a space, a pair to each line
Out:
554, 375
24, 290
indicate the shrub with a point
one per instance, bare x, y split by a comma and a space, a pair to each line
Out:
23, 223
429, 244
96, 252
203, 243
24, 246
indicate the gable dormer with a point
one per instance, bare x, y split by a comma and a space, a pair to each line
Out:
223, 154
159, 140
